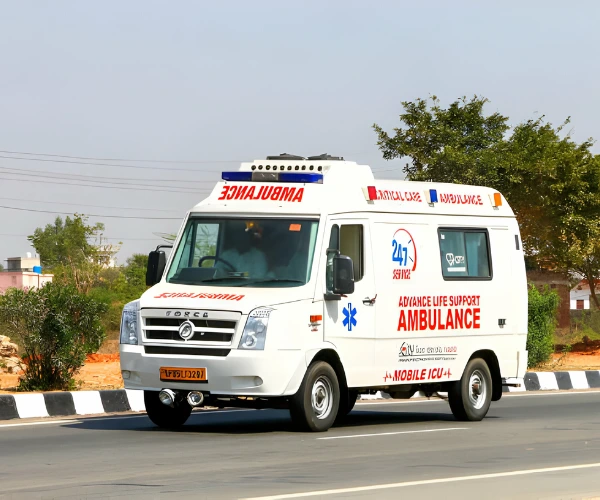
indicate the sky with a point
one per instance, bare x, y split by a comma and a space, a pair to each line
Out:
193, 88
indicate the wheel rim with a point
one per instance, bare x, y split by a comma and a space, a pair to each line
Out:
477, 390
322, 397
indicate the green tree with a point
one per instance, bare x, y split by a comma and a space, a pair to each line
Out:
66, 242
458, 144
1, 268
135, 271
551, 182
56, 326
74, 251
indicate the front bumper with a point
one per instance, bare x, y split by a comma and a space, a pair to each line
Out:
241, 373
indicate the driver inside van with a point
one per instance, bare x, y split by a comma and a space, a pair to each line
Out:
243, 252
297, 251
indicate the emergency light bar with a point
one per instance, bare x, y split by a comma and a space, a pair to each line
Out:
304, 178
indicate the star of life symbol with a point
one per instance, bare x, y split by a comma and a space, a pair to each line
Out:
349, 316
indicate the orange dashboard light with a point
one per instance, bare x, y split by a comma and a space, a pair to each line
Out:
314, 319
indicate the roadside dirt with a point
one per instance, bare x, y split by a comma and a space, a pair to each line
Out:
583, 355
100, 371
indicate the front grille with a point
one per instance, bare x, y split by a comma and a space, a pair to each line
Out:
199, 336
212, 329
199, 323
186, 351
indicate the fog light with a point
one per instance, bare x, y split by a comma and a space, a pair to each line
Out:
195, 398
126, 374
167, 397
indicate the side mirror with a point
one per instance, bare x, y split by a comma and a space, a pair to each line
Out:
343, 275
156, 267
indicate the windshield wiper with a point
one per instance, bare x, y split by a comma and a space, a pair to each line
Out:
224, 278
273, 280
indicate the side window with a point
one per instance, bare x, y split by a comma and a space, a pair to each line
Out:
465, 254
352, 244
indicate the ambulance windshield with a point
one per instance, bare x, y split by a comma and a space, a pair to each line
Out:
245, 252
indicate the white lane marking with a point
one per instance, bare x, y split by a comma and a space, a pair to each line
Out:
506, 394
107, 417
550, 393
425, 482
394, 433
400, 402
45, 422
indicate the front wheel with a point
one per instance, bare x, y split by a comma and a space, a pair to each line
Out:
165, 416
470, 397
315, 406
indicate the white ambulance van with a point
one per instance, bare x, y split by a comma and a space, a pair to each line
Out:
302, 283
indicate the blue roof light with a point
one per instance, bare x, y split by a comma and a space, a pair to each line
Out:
433, 197
301, 177
236, 176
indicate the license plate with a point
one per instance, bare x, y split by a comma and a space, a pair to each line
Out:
183, 374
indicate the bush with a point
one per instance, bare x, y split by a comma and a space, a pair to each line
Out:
56, 327
541, 324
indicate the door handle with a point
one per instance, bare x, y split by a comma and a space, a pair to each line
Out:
369, 302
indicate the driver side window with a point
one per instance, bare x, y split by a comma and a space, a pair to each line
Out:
348, 240
351, 245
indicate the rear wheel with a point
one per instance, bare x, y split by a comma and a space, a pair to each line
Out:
165, 416
470, 397
315, 406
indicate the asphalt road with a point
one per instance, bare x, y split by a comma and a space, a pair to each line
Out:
529, 446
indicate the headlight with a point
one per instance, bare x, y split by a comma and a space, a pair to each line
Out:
129, 323
255, 331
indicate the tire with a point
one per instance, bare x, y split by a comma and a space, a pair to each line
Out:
164, 416
470, 397
315, 406
347, 402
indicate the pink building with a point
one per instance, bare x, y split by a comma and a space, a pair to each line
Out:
23, 273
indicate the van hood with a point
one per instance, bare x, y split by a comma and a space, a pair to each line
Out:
239, 299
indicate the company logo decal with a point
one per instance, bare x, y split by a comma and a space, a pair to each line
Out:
414, 352
349, 316
186, 329
214, 296
185, 314
404, 253
272, 193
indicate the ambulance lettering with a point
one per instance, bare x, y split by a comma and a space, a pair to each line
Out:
271, 193
417, 375
439, 312
394, 195
215, 296
461, 199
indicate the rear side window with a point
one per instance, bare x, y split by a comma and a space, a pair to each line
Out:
465, 254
